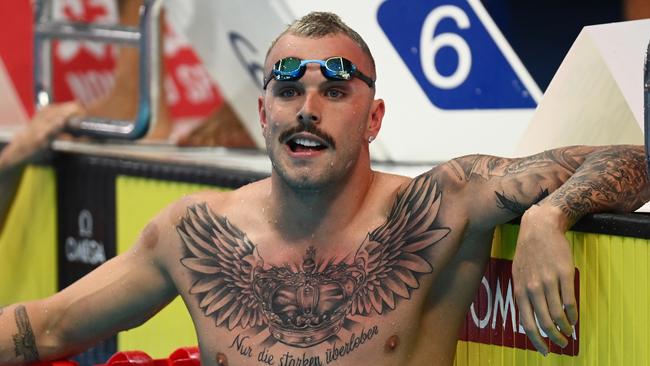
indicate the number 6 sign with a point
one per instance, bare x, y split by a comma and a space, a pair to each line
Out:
456, 53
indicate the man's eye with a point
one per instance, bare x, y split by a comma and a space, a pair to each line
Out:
334, 93
287, 92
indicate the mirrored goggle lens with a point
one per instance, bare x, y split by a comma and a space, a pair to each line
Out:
335, 68
288, 65
289, 68
339, 65
339, 68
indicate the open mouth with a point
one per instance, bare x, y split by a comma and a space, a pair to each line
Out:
301, 144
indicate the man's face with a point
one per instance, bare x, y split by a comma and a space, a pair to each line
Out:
316, 129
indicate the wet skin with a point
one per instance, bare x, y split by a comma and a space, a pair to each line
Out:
330, 262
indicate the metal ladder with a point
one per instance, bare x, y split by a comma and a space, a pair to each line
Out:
146, 37
646, 106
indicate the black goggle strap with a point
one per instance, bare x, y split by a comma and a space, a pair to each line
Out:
334, 68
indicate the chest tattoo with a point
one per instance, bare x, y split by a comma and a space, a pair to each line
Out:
307, 303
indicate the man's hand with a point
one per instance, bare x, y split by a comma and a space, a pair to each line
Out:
553, 190
27, 144
37, 135
543, 275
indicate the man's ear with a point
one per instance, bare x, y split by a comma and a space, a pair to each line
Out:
261, 111
375, 118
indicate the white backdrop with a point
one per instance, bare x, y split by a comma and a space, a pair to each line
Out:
232, 37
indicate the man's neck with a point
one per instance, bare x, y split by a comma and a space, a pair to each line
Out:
302, 214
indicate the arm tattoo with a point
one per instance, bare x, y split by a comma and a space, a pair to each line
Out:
612, 179
24, 340
515, 179
484, 167
511, 204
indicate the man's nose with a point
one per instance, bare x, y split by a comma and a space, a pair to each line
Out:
310, 111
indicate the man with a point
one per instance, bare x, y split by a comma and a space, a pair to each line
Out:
328, 261
26, 146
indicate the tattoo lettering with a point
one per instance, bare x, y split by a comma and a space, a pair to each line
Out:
511, 204
338, 351
243, 350
24, 340
613, 179
305, 304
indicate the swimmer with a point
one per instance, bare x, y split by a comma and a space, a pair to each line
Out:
328, 260
27, 146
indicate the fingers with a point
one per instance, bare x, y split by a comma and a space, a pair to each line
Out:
540, 305
55, 115
538, 296
51, 120
557, 315
527, 319
569, 297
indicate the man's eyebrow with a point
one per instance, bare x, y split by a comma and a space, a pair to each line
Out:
286, 83
337, 83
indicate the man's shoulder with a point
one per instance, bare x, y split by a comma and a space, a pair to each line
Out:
445, 174
219, 200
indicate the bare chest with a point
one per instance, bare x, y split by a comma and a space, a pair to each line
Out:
357, 299
357, 341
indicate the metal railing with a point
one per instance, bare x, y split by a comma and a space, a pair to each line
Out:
646, 106
146, 37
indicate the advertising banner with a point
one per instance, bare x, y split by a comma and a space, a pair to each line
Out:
86, 230
451, 82
84, 70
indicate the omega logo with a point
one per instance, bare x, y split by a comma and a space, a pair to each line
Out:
248, 59
85, 249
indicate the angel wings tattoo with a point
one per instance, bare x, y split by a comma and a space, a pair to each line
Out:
305, 304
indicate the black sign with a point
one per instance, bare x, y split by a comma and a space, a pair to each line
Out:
86, 228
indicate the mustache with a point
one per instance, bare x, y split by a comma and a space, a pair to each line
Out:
309, 128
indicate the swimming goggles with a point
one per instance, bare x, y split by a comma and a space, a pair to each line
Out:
334, 68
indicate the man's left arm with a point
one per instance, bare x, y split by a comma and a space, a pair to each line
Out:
27, 144
613, 179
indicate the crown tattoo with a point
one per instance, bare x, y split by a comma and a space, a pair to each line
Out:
308, 303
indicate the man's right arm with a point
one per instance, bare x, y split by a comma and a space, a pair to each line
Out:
120, 294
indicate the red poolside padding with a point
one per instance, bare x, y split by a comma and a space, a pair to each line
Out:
127, 358
184, 356
56, 363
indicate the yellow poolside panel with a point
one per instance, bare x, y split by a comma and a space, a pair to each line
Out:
614, 305
137, 201
28, 241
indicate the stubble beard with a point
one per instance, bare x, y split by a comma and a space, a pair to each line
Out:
301, 180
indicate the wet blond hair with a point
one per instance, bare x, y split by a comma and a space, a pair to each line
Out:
318, 24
